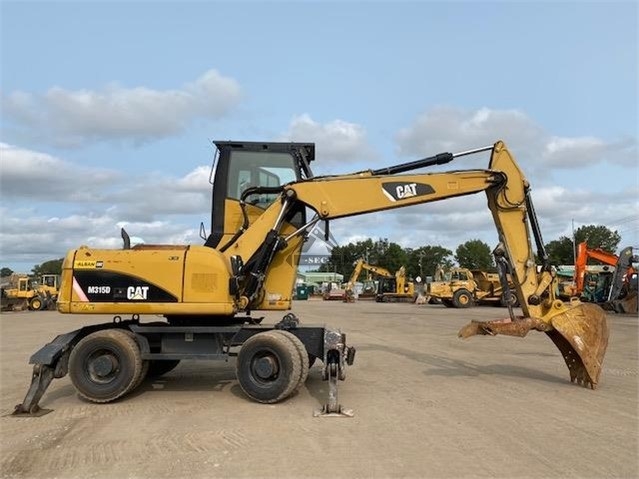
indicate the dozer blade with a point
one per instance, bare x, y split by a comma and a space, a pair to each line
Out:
580, 334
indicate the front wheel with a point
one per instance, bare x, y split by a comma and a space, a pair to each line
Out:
305, 358
35, 303
268, 367
462, 299
105, 365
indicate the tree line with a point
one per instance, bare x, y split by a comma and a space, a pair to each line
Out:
473, 254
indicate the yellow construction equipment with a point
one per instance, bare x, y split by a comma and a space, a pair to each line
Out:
391, 287
261, 194
462, 288
395, 288
23, 293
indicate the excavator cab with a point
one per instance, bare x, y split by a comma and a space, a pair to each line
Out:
247, 178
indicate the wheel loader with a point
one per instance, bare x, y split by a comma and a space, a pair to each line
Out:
25, 293
208, 294
462, 288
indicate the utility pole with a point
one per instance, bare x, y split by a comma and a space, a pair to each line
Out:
574, 244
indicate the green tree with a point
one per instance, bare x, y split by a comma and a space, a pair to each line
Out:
381, 252
6, 272
343, 257
475, 254
562, 251
53, 266
423, 261
598, 236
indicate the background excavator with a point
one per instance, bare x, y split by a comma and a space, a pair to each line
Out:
391, 287
261, 194
617, 290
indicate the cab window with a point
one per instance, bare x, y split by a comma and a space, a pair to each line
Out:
249, 169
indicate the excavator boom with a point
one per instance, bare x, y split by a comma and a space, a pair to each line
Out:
579, 331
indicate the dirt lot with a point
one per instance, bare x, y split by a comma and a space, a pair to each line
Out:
427, 405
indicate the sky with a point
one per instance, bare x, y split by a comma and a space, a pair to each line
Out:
109, 110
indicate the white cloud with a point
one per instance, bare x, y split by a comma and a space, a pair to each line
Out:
454, 129
139, 114
28, 175
144, 199
31, 238
35, 175
336, 141
158, 209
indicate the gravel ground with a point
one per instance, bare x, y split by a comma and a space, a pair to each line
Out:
426, 403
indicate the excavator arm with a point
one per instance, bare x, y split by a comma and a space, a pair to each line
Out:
361, 265
377, 270
578, 330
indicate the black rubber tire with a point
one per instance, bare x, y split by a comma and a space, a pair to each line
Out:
462, 299
35, 303
145, 365
159, 367
303, 353
281, 353
447, 302
117, 346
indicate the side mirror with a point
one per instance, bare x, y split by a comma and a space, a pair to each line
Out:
203, 231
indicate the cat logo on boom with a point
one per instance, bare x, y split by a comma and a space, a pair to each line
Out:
395, 190
406, 191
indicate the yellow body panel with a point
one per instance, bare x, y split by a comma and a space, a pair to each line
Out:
195, 276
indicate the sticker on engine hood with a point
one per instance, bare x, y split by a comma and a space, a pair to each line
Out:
84, 264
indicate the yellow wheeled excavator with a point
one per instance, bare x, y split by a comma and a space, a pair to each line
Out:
206, 293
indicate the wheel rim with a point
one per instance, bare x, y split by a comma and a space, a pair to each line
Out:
35, 304
102, 366
265, 367
463, 299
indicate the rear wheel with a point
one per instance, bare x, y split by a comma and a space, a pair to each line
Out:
268, 367
447, 302
105, 365
462, 298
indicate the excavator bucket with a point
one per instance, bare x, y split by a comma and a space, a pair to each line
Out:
580, 333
